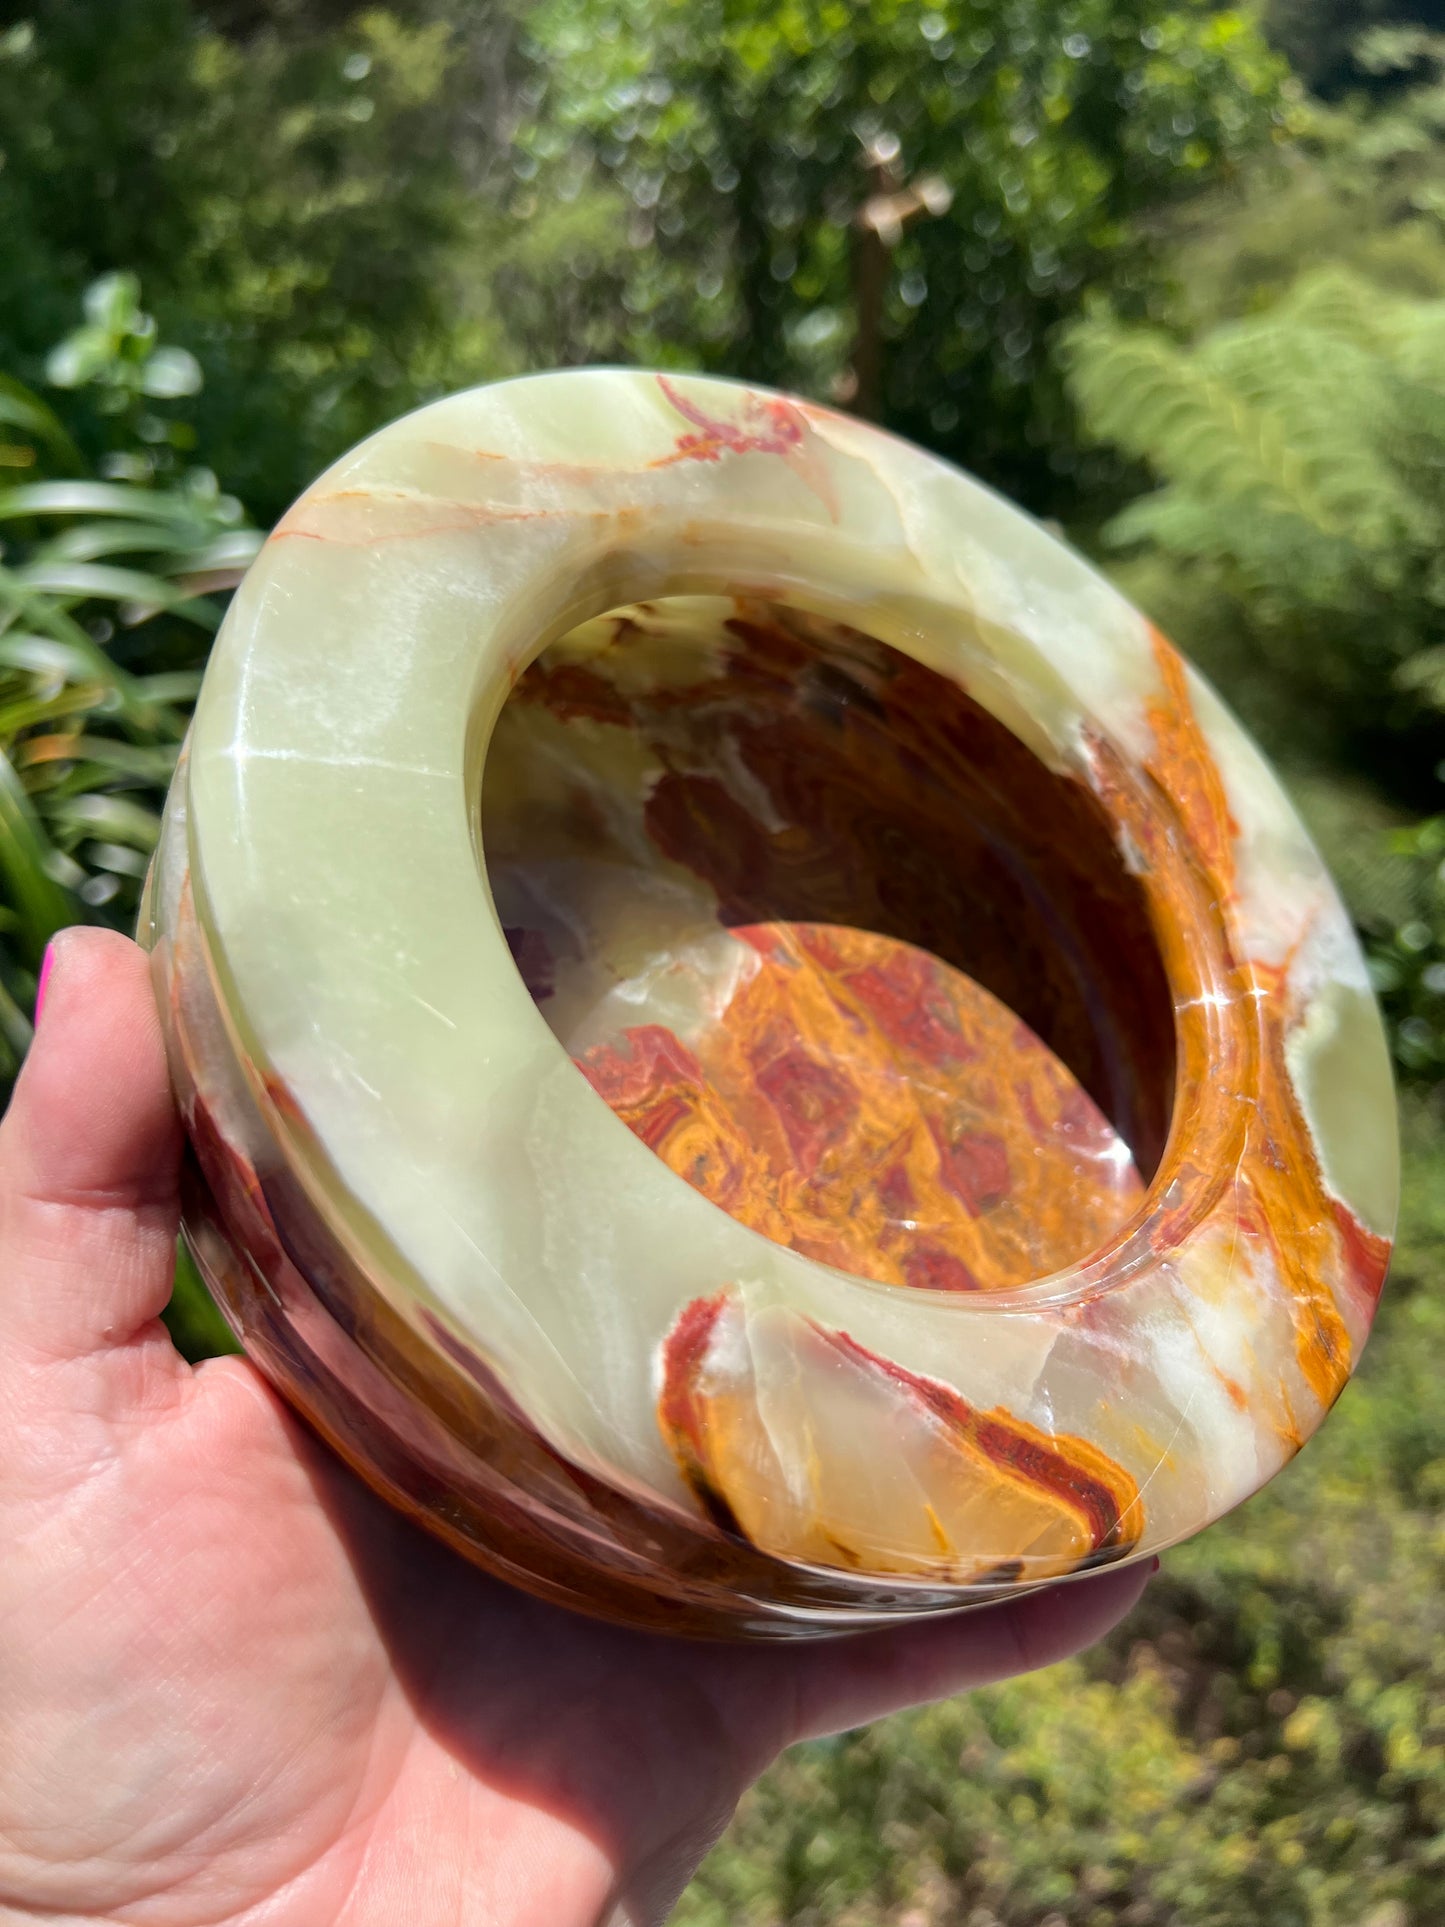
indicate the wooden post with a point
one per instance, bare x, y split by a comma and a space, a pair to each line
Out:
877, 229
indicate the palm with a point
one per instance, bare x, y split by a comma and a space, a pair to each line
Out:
232, 1684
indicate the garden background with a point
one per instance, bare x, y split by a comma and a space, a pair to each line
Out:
1171, 275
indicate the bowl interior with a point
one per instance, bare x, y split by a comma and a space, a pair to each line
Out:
832, 941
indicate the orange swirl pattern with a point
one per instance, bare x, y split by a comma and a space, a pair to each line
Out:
859, 1099
895, 805
1271, 1184
875, 1110
1047, 1504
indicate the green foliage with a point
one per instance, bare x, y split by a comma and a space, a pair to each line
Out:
1407, 952
1298, 452
340, 211
116, 353
738, 134
107, 604
1361, 186
197, 1328
1286, 388
300, 205
1021, 1801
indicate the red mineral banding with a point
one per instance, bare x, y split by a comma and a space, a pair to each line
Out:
874, 1109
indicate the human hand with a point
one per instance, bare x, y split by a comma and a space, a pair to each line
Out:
237, 1688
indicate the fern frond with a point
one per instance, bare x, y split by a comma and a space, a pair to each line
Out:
1193, 423
1339, 417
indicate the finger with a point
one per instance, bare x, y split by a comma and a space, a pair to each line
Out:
858, 1680
89, 1160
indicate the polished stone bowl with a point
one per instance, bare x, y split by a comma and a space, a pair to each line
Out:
759, 1053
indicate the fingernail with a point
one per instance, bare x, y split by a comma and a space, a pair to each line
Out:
1154, 1564
46, 965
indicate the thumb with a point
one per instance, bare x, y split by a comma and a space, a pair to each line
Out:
854, 1681
89, 1162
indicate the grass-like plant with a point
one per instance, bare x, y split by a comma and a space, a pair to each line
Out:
112, 569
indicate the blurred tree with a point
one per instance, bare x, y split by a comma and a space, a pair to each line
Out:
740, 133
242, 18
303, 208
1361, 184
1320, 37
90, 97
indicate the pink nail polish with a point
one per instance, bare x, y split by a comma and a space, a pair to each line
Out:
46, 963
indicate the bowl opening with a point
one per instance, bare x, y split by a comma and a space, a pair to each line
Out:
832, 940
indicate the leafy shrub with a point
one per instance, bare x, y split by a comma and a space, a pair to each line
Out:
1288, 401
108, 599
1322, 37
1407, 953
1299, 456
